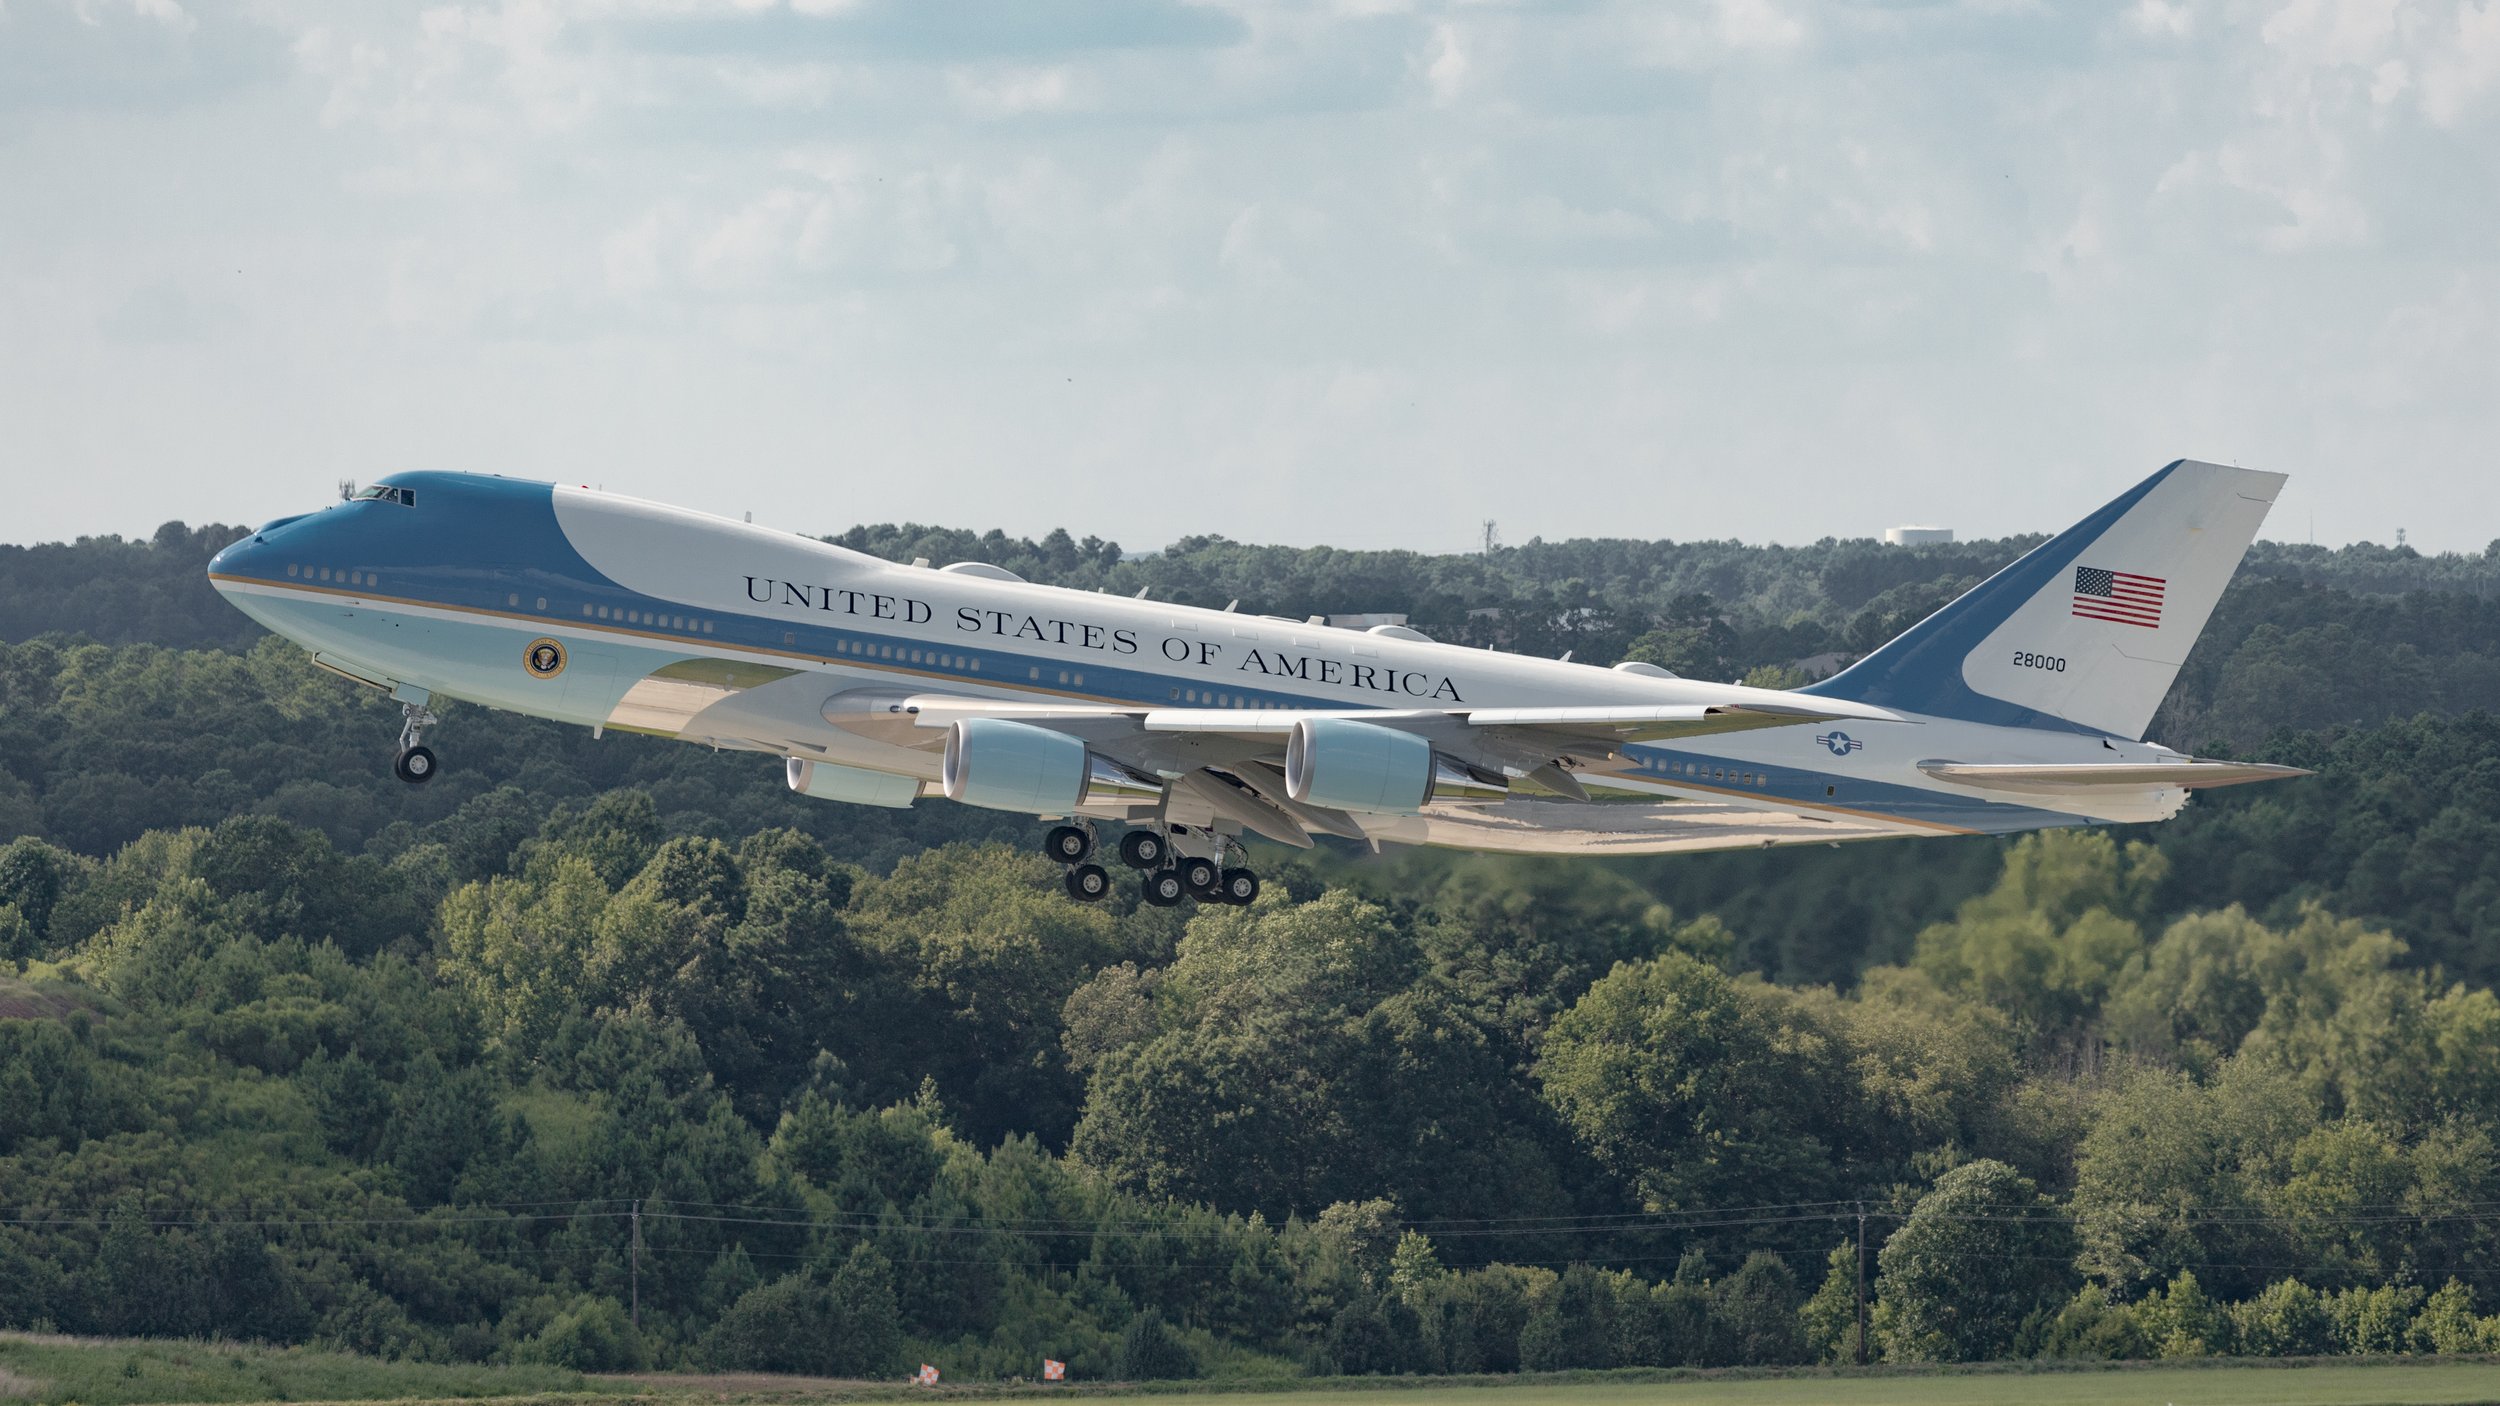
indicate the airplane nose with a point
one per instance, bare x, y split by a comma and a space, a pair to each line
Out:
253, 556
238, 559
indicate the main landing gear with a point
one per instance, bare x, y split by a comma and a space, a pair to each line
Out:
415, 763
1167, 877
1072, 845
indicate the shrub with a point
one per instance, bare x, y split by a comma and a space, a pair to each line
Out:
592, 1334
2182, 1321
2369, 1321
2091, 1328
2287, 1320
1150, 1351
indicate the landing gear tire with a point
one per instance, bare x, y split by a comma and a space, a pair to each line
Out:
1088, 883
1143, 849
1069, 844
414, 765
1198, 876
1238, 887
1163, 888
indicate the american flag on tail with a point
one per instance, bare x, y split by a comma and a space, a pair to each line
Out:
2120, 597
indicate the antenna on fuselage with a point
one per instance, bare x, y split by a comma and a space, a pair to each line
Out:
347, 489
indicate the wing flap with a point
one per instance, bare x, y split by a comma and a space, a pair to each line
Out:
2187, 775
1663, 722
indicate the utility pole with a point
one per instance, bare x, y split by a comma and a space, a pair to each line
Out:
1861, 1283
637, 1314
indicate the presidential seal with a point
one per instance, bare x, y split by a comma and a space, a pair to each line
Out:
544, 658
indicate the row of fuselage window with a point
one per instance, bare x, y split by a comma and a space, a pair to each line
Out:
326, 573
1718, 774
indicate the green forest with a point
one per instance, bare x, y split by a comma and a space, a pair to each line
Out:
613, 1053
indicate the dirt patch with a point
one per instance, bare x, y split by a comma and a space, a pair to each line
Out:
19, 1001
21, 1335
741, 1383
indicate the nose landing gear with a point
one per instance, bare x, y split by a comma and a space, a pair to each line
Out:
415, 763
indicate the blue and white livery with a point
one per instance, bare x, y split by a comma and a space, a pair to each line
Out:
2021, 705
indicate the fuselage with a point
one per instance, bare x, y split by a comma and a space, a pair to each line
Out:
734, 636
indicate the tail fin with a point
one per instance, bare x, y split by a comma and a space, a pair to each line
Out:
2086, 632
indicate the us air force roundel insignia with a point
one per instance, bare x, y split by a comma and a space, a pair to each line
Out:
544, 658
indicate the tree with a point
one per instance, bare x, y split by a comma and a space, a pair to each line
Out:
2170, 1175
2047, 941
838, 1324
1979, 1253
1755, 1312
1698, 1090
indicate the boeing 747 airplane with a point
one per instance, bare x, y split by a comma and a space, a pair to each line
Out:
2021, 705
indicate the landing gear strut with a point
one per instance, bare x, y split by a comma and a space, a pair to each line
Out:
415, 763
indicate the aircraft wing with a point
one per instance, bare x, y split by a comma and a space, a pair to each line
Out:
1581, 732
1231, 760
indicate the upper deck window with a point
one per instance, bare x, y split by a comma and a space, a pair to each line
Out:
385, 493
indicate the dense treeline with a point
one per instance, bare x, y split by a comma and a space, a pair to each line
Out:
252, 1086
123, 592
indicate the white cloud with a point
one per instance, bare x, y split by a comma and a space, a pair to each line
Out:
1447, 69
1336, 248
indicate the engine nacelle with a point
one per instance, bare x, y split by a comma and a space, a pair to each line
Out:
1001, 765
860, 787
1346, 765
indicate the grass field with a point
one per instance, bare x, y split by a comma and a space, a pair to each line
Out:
2388, 1384
44, 1370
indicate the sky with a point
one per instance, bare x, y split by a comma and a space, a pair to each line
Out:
1364, 273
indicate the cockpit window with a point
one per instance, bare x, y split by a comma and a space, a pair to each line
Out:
385, 493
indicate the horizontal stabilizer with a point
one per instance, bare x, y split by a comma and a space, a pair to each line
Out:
2186, 775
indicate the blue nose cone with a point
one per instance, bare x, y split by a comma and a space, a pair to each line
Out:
252, 557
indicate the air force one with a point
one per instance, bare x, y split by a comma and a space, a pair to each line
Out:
2021, 705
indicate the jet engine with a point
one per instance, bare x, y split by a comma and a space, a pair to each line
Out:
1003, 765
1347, 765
828, 782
